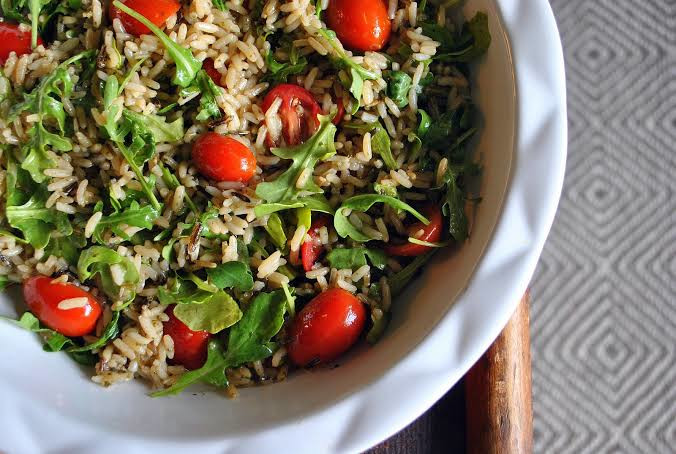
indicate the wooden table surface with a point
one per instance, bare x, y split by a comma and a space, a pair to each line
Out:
489, 411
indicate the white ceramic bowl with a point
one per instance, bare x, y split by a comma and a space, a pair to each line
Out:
441, 325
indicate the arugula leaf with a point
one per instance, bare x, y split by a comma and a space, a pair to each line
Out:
232, 275
362, 203
220, 4
67, 247
172, 183
97, 260
135, 215
398, 85
378, 328
290, 299
400, 280
179, 290
449, 127
187, 66
473, 41
315, 202
380, 141
209, 91
249, 340
454, 205
53, 341
157, 125
418, 137
26, 211
280, 72
45, 101
109, 333
357, 73
275, 229
305, 156
341, 258
215, 314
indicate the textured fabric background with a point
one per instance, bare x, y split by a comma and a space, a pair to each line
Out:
604, 296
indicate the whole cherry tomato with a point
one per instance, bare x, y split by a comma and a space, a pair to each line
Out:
327, 327
431, 233
298, 112
43, 298
312, 247
190, 347
360, 25
13, 39
156, 11
223, 158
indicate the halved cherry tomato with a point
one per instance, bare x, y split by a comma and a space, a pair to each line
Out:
312, 247
190, 347
325, 328
360, 24
208, 66
156, 11
431, 233
13, 39
223, 158
298, 111
340, 113
43, 296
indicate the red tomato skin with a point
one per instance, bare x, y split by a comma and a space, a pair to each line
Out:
431, 234
360, 25
327, 327
156, 11
340, 112
295, 128
42, 297
12, 39
312, 248
190, 347
223, 158
208, 66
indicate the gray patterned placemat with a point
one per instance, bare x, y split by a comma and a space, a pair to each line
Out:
604, 295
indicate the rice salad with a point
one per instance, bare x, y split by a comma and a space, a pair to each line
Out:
224, 191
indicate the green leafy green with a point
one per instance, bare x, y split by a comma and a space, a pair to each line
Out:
400, 280
220, 4
26, 211
290, 299
187, 66
305, 156
275, 229
157, 126
357, 73
172, 183
249, 340
4, 282
280, 72
98, 260
45, 101
380, 140
180, 290
377, 328
451, 130
454, 203
215, 314
209, 92
67, 247
231, 275
418, 137
472, 42
315, 202
135, 215
109, 333
362, 203
398, 85
341, 258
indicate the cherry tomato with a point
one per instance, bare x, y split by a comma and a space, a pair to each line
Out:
431, 233
312, 247
13, 39
208, 66
190, 347
340, 113
223, 158
298, 111
43, 296
328, 326
360, 24
156, 11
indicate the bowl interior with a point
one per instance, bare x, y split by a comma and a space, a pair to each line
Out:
55, 383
